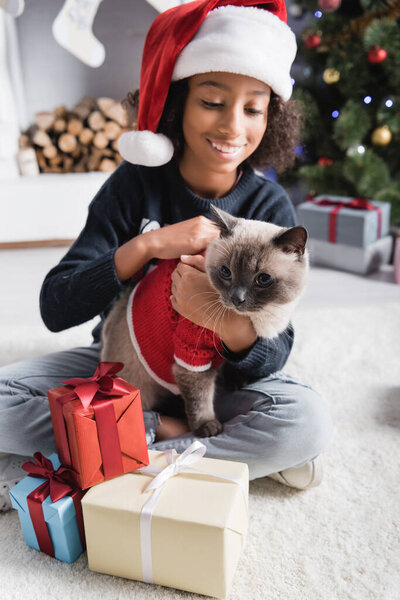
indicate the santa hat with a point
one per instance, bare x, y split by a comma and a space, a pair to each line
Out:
245, 37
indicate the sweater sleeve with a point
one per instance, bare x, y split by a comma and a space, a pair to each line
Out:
264, 357
85, 282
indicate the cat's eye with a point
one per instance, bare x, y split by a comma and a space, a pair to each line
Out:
225, 272
264, 279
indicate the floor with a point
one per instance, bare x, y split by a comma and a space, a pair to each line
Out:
342, 535
23, 270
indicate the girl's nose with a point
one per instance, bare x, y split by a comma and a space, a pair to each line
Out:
231, 122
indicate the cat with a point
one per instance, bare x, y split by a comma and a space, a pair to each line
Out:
258, 269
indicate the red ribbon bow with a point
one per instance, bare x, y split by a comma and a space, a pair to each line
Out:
103, 382
59, 483
356, 203
96, 391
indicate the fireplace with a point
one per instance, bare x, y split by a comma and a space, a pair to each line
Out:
39, 75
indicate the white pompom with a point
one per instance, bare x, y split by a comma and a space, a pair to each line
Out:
145, 148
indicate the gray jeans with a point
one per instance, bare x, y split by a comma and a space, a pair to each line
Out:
272, 424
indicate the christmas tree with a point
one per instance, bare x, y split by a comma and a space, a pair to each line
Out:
347, 81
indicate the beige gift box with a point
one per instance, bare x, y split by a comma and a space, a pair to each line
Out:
198, 525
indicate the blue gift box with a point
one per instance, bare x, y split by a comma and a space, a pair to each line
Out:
60, 518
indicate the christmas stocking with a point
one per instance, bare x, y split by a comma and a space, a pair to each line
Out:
72, 29
15, 8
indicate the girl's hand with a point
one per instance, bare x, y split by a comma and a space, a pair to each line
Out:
194, 298
186, 237
192, 295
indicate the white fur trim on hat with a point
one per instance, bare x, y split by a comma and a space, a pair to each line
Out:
145, 148
241, 39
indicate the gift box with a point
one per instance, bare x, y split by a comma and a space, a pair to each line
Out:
181, 522
351, 221
347, 258
54, 527
98, 426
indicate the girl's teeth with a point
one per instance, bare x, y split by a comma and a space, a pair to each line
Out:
227, 149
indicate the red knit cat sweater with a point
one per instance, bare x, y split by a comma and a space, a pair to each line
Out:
161, 336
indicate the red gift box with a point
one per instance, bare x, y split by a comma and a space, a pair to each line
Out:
98, 426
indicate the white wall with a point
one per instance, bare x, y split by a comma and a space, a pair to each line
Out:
53, 76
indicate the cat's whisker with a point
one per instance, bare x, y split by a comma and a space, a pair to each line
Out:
215, 315
207, 306
224, 311
223, 243
202, 293
221, 316
216, 306
181, 318
223, 251
210, 300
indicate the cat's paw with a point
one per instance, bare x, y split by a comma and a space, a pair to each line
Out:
209, 428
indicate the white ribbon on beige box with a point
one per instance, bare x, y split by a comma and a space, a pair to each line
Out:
191, 455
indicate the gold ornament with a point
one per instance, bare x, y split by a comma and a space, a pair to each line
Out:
331, 76
381, 136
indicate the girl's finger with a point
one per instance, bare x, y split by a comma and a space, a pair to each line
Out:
176, 273
196, 260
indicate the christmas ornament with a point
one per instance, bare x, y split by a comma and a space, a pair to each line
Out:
331, 76
295, 11
381, 136
324, 161
329, 5
377, 55
312, 41
72, 29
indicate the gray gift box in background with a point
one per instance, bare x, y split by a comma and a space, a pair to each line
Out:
349, 258
354, 226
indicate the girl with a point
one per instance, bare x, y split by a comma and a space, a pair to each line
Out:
214, 90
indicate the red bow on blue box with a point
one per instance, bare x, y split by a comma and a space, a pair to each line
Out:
59, 483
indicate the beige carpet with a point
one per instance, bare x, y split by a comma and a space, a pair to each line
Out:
336, 542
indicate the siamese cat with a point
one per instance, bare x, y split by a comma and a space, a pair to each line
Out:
258, 269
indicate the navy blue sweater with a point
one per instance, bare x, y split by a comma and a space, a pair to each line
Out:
135, 199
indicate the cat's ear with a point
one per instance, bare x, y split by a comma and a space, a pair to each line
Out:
223, 220
292, 240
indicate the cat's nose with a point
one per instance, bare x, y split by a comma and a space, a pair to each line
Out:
238, 296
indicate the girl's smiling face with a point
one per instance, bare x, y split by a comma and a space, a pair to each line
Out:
224, 120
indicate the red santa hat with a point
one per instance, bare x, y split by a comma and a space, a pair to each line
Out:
245, 37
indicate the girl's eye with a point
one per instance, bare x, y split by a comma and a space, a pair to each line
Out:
225, 272
211, 104
264, 280
254, 111
250, 111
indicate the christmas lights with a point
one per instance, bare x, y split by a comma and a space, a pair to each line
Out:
348, 81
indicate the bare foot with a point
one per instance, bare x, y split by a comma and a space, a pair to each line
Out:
170, 427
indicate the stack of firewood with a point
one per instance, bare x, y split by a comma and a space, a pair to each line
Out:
78, 140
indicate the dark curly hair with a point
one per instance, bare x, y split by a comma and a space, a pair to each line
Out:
276, 149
